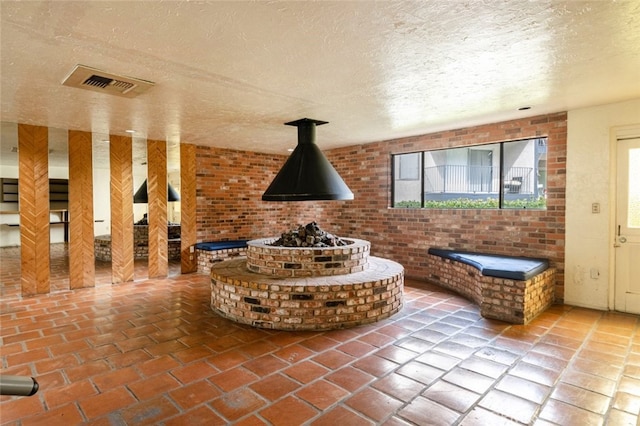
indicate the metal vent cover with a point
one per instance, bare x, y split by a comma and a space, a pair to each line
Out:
84, 77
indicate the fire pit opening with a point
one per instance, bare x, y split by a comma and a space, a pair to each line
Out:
309, 235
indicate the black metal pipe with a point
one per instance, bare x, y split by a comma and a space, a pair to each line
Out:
18, 385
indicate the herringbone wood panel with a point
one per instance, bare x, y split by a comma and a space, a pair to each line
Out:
33, 181
122, 266
157, 194
188, 235
81, 248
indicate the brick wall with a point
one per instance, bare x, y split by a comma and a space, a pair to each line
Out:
231, 183
229, 190
404, 235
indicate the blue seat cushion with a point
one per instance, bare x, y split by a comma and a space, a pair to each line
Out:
221, 245
496, 265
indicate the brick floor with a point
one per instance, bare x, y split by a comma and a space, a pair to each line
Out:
153, 352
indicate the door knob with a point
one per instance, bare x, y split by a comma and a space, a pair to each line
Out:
622, 239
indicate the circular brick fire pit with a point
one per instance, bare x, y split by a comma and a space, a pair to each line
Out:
302, 288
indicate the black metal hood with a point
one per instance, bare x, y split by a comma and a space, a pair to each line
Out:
307, 174
141, 195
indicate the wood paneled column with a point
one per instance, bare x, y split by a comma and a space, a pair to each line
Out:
81, 248
188, 234
120, 152
33, 189
157, 195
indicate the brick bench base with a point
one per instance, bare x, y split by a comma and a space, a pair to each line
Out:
513, 301
210, 253
102, 248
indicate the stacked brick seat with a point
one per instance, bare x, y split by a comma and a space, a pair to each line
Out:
509, 288
210, 252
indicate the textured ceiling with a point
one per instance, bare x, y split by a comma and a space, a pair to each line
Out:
229, 74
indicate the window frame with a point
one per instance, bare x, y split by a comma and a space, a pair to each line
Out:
502, 174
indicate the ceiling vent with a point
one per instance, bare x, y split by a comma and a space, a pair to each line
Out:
83, 77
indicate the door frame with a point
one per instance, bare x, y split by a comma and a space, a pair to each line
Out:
617, 132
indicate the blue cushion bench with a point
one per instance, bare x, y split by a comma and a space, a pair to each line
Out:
496, 265
221, 245
510, 288
209, 252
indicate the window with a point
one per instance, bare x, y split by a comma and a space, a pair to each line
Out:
500, 175
408, 184
409, 166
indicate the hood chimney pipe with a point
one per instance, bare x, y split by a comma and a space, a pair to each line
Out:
307, 174
141, 196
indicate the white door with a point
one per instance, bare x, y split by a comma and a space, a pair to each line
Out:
627, 243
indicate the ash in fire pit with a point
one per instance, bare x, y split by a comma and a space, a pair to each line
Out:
309, 235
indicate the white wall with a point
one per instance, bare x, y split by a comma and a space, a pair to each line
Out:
101, 201
589, 236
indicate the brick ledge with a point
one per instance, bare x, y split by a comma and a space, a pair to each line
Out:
312, 303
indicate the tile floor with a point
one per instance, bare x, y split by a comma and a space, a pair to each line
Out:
152, 352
